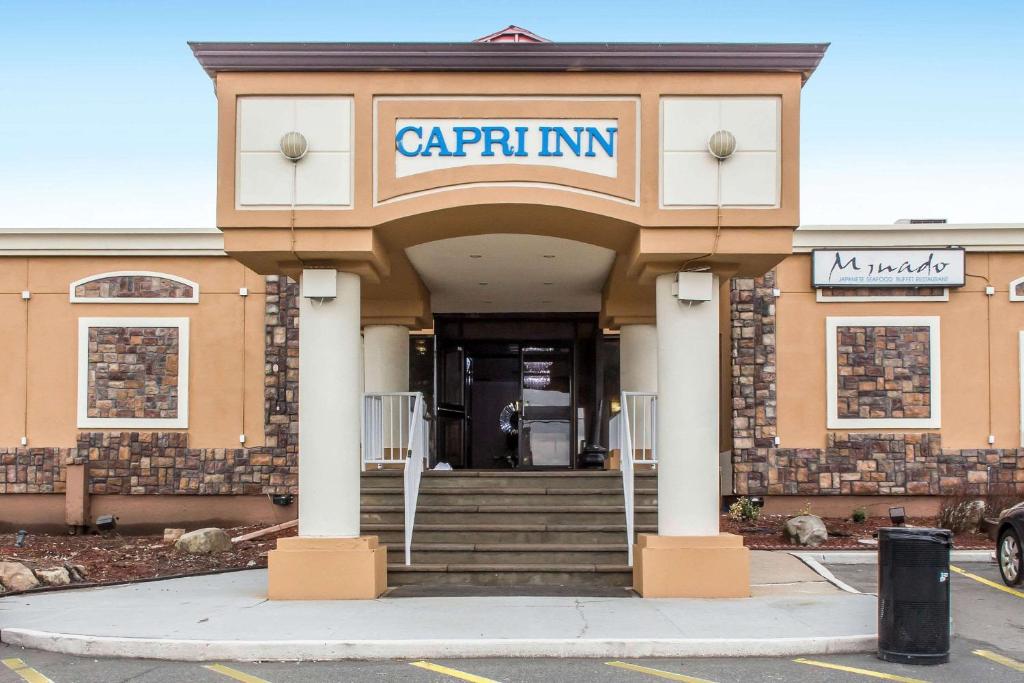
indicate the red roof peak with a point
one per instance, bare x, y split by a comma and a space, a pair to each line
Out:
512, 34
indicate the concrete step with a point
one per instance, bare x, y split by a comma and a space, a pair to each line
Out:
508, 479
511, 553
510, 575
494, 514
436, 496
393, 533
502, 528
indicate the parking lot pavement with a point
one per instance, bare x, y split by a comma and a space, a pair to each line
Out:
982, 613
965, 666
989, 646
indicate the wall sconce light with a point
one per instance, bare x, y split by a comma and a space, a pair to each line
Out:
722, 144
294, 146
897, 516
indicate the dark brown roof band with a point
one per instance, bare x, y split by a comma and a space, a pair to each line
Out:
800, 58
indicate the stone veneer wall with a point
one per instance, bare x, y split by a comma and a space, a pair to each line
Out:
909, 292
163, 462
134, 287
852, 463
133, 372
883, 372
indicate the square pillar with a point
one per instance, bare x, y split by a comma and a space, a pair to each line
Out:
689, 557
329, 560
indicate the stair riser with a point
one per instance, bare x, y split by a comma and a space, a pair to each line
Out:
401, 578
508, 518
523, 480
433, 499
397, 538
396, 555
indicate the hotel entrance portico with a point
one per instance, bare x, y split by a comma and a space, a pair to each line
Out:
443, 188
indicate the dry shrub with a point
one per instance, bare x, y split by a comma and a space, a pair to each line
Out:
962, 512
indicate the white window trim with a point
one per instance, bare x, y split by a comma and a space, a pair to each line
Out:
179, 422
832, 383
1013, 286
881, 298
75, 299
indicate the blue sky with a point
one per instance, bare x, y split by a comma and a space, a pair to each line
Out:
107, 120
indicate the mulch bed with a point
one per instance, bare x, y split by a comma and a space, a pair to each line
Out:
114, 558
843, 534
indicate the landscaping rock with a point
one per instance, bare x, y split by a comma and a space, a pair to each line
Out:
14, 576
172, 535
806, 530
58, 576
76, 572
204, 542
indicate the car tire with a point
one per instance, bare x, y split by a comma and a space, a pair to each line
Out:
1010, 557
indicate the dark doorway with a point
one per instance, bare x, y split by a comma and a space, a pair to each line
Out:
514, 391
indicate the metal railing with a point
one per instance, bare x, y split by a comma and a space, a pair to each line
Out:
637, 432
395, 431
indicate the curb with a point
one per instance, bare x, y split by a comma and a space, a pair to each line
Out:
871, 556
333, 650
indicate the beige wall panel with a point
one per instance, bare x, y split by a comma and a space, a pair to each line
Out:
52, 364
53, 274
1007, 323
364, 86
965, 364
12, 275
12, 370
215, 373
1004, 268
216, 362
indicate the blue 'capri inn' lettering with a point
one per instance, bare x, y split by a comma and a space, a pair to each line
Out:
555, 141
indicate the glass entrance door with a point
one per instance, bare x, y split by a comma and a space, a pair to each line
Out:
546, 421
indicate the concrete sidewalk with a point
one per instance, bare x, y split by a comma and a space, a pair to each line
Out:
226, 617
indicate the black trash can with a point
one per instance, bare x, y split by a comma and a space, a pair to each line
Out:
913, 595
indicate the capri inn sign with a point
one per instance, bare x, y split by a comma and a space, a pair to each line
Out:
585, 145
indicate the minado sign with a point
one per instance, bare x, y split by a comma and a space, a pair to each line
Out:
888, 267
587, 145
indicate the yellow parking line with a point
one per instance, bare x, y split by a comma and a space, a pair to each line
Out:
993, 584
657, 672
234, 673
862, 672
26, 672
454, 673
1000, 659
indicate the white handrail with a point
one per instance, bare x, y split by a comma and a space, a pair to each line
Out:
639, 409
395, 432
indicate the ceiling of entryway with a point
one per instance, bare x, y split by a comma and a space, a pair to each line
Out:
504, 273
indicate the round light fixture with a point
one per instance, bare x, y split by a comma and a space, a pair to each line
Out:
294, 145
722, 144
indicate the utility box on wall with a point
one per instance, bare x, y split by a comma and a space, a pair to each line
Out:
694, 286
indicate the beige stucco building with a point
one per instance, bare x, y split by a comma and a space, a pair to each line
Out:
507, 259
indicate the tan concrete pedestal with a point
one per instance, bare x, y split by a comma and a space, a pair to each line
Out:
691, 566
327, 569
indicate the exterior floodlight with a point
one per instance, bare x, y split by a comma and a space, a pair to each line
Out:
897, 516
722, 144
294, 145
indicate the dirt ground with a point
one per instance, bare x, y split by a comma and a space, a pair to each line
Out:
115, 558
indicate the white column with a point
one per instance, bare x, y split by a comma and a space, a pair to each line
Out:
638, 358
687, 412
330, 374
386, 358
